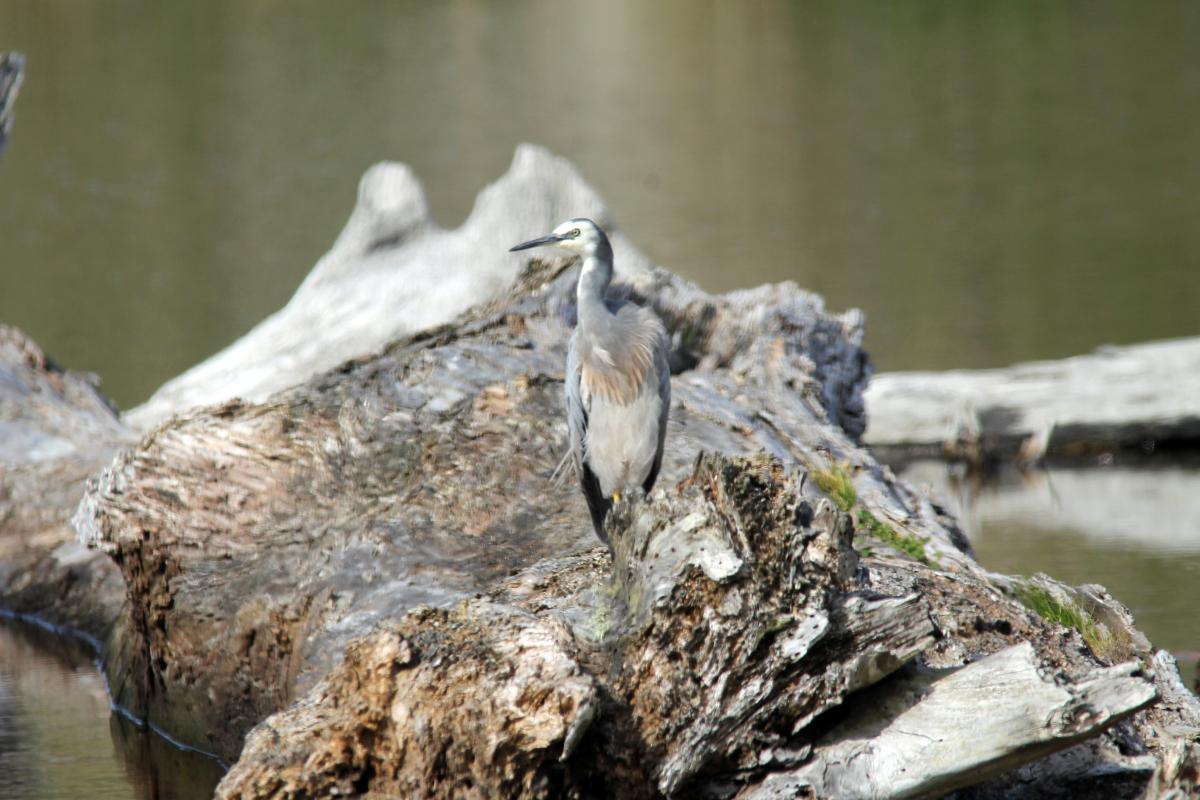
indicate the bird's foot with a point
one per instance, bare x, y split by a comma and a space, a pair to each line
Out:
616, 497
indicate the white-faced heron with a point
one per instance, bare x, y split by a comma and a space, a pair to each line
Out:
618, 382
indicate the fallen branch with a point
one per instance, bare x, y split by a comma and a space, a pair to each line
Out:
1141, 397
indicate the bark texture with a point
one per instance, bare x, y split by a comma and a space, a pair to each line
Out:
913, 742
479, 701
735, 645
741, 620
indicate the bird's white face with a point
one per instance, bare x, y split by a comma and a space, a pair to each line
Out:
578, 235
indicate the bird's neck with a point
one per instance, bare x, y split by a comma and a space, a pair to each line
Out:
593, 283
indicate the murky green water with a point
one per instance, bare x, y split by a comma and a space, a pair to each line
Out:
59, 740
991, 182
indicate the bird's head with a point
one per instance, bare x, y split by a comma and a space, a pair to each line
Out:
577, 235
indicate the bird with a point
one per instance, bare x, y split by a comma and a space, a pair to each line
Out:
617, 388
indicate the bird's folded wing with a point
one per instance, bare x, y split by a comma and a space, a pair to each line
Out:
618, 373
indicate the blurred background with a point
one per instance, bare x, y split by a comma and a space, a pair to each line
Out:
990, 182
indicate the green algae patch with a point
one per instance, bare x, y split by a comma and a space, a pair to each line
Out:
1056, 608
907, 543
838, 483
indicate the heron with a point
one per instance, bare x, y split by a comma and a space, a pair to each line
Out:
618, 382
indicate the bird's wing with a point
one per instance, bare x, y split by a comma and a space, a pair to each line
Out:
618, 368
578, 402
577, 405
662, 369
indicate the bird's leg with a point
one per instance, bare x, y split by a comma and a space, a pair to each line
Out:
616, 497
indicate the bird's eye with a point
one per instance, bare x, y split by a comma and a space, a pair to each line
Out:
575, 233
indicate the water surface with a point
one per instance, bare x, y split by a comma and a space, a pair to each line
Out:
60, 740
990, 181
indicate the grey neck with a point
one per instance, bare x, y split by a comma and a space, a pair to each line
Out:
593, 284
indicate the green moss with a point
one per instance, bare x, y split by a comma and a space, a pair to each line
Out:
838, 483
1051, 607
907, 543
602, 622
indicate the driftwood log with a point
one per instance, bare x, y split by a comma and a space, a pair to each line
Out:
281, 530
1139, 397
919, 720
717, 643
56, 429
393, 272
368, 584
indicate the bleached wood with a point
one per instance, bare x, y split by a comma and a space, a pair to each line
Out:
926, 734
393, 272
1131, 396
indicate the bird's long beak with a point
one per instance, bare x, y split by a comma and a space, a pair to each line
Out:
551, 239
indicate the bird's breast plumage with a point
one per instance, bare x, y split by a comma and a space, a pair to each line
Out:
621, 442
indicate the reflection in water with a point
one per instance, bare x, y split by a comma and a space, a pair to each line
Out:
59, 739
1136, 531
990, 182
